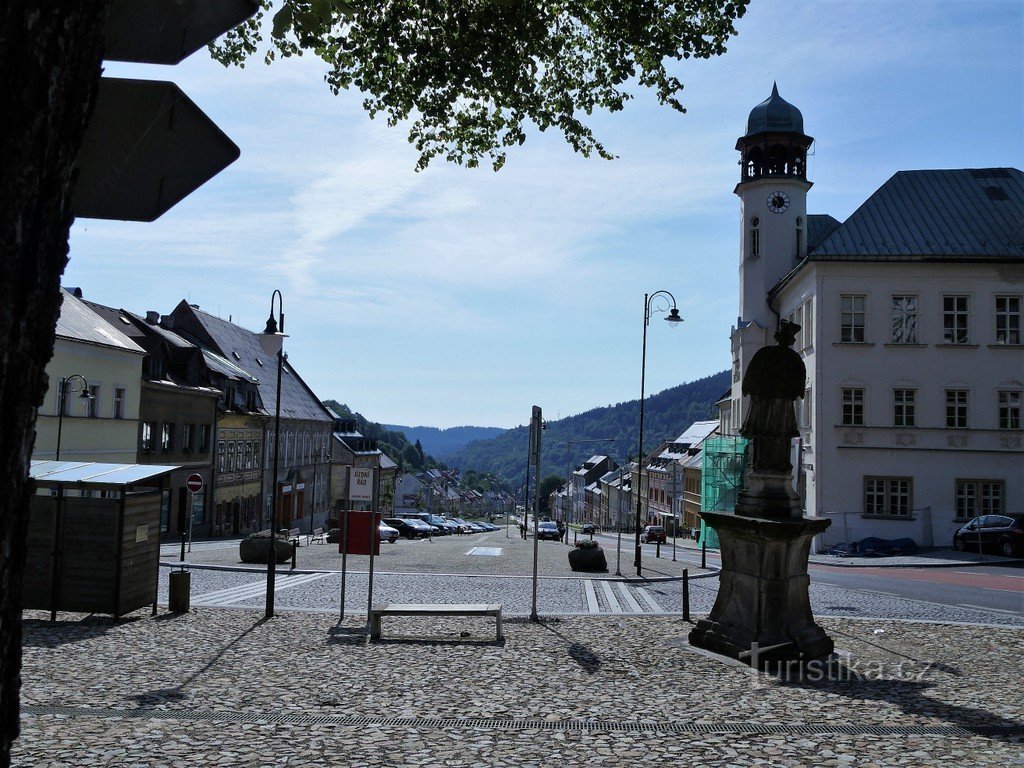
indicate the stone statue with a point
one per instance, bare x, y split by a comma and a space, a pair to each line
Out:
774, 379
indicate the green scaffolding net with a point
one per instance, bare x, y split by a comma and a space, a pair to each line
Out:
724, 460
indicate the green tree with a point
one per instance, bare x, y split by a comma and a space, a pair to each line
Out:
470, 75
549, 485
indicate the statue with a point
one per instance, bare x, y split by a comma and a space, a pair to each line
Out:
774, 379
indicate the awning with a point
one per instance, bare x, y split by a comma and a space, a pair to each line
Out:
96, 473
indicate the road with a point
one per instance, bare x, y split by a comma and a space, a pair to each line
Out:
998, 588
495, 568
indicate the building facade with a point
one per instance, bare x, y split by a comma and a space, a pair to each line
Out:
910, 315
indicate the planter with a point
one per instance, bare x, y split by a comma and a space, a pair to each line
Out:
254, 550
588, 560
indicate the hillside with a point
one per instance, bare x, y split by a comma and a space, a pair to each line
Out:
666, 415
444, 442
408, 454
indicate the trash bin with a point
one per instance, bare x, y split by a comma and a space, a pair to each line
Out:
178, 596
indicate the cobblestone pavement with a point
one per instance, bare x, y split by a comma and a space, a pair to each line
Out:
448, 570
218, 687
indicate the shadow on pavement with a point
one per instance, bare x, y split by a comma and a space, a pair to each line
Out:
41, 633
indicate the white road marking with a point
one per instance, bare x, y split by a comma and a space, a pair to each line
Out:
613, 602
253, 589
588, 589
630, 600
651, 602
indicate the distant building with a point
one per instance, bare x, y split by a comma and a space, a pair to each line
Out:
103, 427
350, 449
910, 315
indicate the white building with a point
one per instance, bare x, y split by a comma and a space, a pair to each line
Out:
911, 334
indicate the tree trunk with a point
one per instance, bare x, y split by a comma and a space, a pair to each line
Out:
50, 55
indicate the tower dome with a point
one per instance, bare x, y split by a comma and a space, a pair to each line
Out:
775, 115
774, 144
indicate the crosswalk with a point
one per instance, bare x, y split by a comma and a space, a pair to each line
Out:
618, 597
253, 589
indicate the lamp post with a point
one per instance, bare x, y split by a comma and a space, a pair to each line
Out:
62, 403
272, 341
659, 302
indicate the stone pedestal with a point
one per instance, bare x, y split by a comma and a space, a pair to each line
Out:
762, 596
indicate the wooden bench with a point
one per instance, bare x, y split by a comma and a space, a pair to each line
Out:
433, 609
317, 537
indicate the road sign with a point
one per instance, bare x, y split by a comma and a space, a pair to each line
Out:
194, 483
147, 146
166, 31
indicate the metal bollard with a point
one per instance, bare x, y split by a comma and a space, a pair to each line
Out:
182, 558
657, 549
295, 552
704, 554
686, 594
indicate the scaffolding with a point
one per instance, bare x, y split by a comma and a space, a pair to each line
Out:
724, 460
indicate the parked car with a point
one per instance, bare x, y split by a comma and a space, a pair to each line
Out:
462, 525
387, 533
548, 530
423, 530
653, 534
588, 528
998, 533
405, 527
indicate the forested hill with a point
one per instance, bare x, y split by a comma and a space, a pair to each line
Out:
410, 456
443, 442
666, 416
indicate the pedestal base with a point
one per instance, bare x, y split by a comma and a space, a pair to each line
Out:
762, 615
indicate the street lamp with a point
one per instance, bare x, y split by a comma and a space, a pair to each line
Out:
657, 302
62, 401
272, 341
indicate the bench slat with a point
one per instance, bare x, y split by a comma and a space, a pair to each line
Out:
432, 609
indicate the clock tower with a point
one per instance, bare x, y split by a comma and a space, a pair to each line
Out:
773, 222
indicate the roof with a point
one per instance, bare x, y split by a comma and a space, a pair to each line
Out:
819, 226
774, 115
79, 323
941, 215
95, 473
698, 432
241, 346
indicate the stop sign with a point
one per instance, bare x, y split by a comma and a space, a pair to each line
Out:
194, 483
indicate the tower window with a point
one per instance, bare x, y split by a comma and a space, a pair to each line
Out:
799, 238
755, 237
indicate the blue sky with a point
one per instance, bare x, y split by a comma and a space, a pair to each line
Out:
458, 296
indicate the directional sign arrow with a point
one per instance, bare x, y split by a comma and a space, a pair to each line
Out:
146, 147
166, 31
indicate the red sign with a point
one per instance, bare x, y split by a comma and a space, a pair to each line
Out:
194, 483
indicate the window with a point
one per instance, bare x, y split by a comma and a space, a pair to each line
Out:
904, 319
167, 438
755, 237
852, 319
954, 319
192, 376
956, 409
231, 455
119, 395
903, 405
979, 497
250, 400
853, 407
146, 439
248, 454
888, 496
220, 456
1009, 409
808, 329
256, 454
1007, 319
187, 432
204, 438
808, 409
799, 237
157, 368
93, 407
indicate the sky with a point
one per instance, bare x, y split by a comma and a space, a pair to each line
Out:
464, 297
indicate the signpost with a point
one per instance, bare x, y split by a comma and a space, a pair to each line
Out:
147, 146
194, 484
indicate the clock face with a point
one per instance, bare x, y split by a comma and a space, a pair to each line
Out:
778, 202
